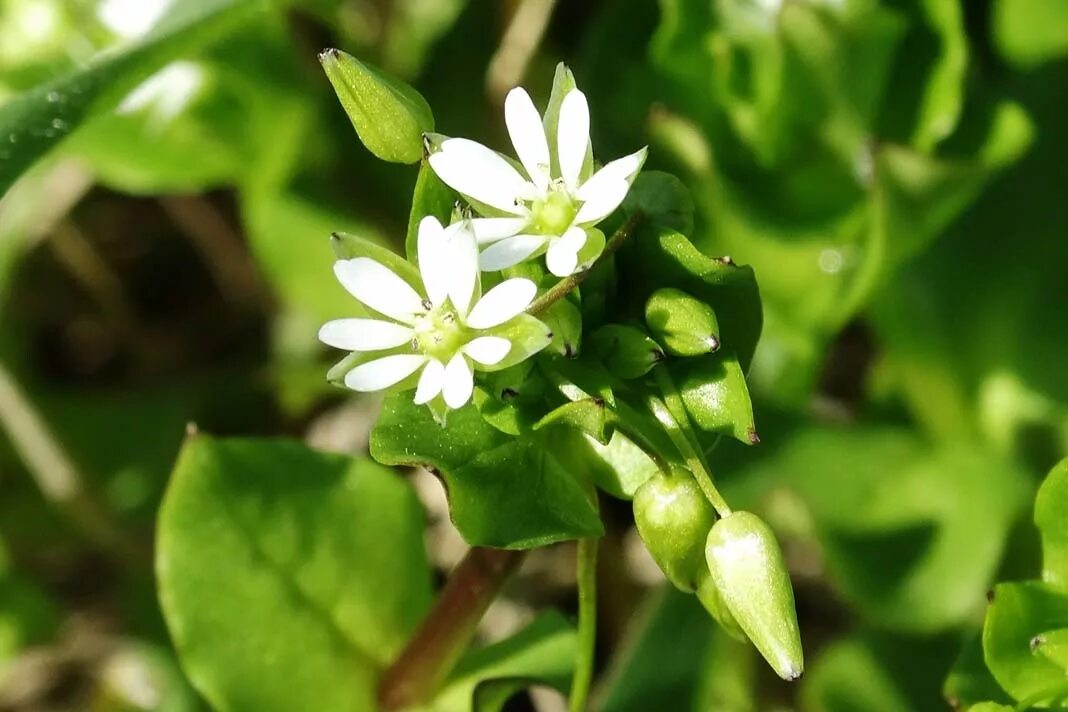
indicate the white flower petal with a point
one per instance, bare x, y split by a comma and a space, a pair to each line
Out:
573, 136
604, 197
474, 170
562, 256
488, 350
619, 169
528, 135
383, 372
459, 382
510, 251
493, 229
364, 334
501, 303
378, 287
461, 266
430, 382
433, 249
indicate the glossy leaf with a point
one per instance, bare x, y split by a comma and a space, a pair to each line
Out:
503, 491
715, 394
1025, 640
286, 574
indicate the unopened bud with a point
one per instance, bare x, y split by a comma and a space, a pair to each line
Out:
673, 519
626, 352
685, 325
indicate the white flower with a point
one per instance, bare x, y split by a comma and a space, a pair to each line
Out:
445, 331
550, 205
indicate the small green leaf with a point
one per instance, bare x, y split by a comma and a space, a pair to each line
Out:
748, 569
663, 199
1051, 516
625, 351
527, 334
430, 197
715, 394
619, 468
503, 491
389, 116
288, 575
674, 518
969, 680
1024, 640
543, 653
684, 325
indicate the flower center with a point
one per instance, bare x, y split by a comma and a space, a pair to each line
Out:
439, 333
553, 214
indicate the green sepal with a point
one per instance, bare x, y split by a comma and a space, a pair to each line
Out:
710, 598
563, 82
683, 324
348, 247
430, 197
748, 569
589, 415
528, 336
565, 321
715, 394
595, 242
389, 116
674, 518
627, 352
511, 400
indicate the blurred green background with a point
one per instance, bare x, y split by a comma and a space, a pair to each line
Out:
896, 172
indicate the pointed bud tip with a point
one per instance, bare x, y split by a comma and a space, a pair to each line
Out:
191, 430
329, 54
754, 439
713, 344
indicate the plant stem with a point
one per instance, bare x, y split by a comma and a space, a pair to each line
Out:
448, 628
693, 460
673, 401
564, 287
587, 624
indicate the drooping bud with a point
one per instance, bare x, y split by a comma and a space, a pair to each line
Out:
673, 519
685, 325
625, 351
709, 596
748, 570
389, 116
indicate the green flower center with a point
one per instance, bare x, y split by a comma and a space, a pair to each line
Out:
554, 213
439, 333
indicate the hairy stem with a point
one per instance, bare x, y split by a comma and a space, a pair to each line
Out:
565, 286
587, 624
448, 628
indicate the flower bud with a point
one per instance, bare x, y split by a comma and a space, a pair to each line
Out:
389, 116
625, 351
685, 325
673, 519
748, 570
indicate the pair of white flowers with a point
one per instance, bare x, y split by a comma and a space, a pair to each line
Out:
436, 334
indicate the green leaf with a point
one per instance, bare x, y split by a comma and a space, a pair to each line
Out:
619, 468
432, 198
1051, 517
715, 394
389, 116
969, 680
543, 653
288, 575
589, 416
503, 491
35, 122
664, 200
1024, 640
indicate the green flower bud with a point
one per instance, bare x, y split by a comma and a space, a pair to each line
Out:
673, 519
747, 568
686, 326
389, 116
708, 595
625, 351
